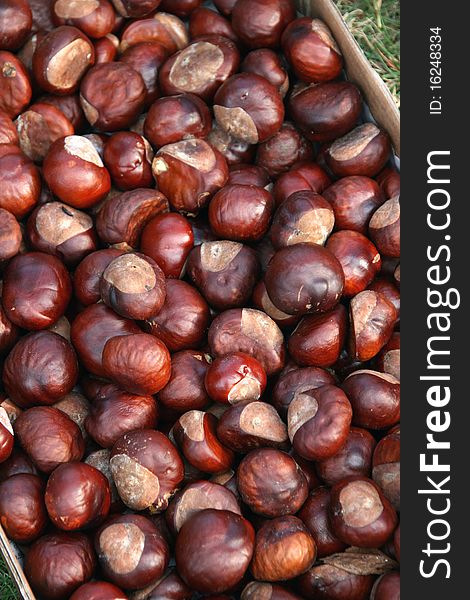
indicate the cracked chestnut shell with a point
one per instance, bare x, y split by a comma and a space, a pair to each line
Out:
22, 511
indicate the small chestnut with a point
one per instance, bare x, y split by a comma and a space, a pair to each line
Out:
146, 59
305, 176
185, 390
128, 158
268, 64
106, 49
260, 23
281, 152
235, 378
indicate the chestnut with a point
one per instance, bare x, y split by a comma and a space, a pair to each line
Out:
305, 176
15, 85
260, 23
304, 278
71, 562
77, 407
98, 590
271, 483
128, 158
200, 68
36, 290
268, 64
182, 321
133, 285
106, 49
8, 133
331, 582
281, 152
388, 359
61, 230
374, 397
234, 151
147, 469
90, 331
250, 331
16, 21
360, 515
163, 28
69, 105
41, 369
359, 259
49, 437
87, 275
225, 272
114, 412
123, 217
257, 590
354, 200
6, 435
182, 8
146, 59
326, 111
249, 107
372, 318
318, 422
263, 302
235, 378
135, 8
169, 587
22, 511
389, 182
96, 19
77, 496
188, 173
204, 21
304, 217
139, 364
85, 181
11, 236
240, 212
386, 466
19, 180
318, 340
112, 96
198, 496
195, 434
384, 228
284, 549
213, 550
387, 587
245, 427
363, 151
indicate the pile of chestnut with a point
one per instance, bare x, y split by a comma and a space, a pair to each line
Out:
199, 319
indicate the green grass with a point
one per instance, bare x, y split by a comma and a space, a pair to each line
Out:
8, 589
376, 26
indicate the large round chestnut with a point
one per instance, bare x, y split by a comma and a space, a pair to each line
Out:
271, 483
250, 331
386, 466
213, 550
269, 64
305, 176
360, 515
163, 28
326, 111
146, 59
147, 469
354, 200
331, 582
15, 85
319, 421
61, 59
71, 562
260, 23
384, 228
139, 364
85, 181
41, 369
98, 590
311, 50
281, 152
19, 180
249, 108
77, 496
96, 19
235, 378
36, 290
16, 21
49, 437
225, 272
22, 511
88, 274
112, 96
284, 549
304, 278
188, 173
129, 160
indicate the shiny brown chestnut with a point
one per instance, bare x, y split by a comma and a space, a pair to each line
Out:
360, 515
234, 151
146, 558
96, 18
163, 28
36, 290
204, 21
146, 59
87, 275
86, 180
61, 230
185, 391
386, 466
235, 378
305, 176
188, 173
389, 182
271, 483
374, 397
311, 50
354, 200
98, 590
388, 359
388, 288
331, 582
263, 302
260, 23
18, 461
139, 364
77, 496
195, 434
8, 133
19, 180
200, 68
249, 108
326, 111
49, 437
6, 435
281, 152
22, 511
181, 8
372, 318
225, 272
15, 85
40, 370
128, 159
135, 8
16, 21
284, 549
11, 235
71, 562
169, 587
267, 64
213, 550
384, 228
106, 49
304, 278
69, 105
247, 174
241, 213
387, 587
147, 469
